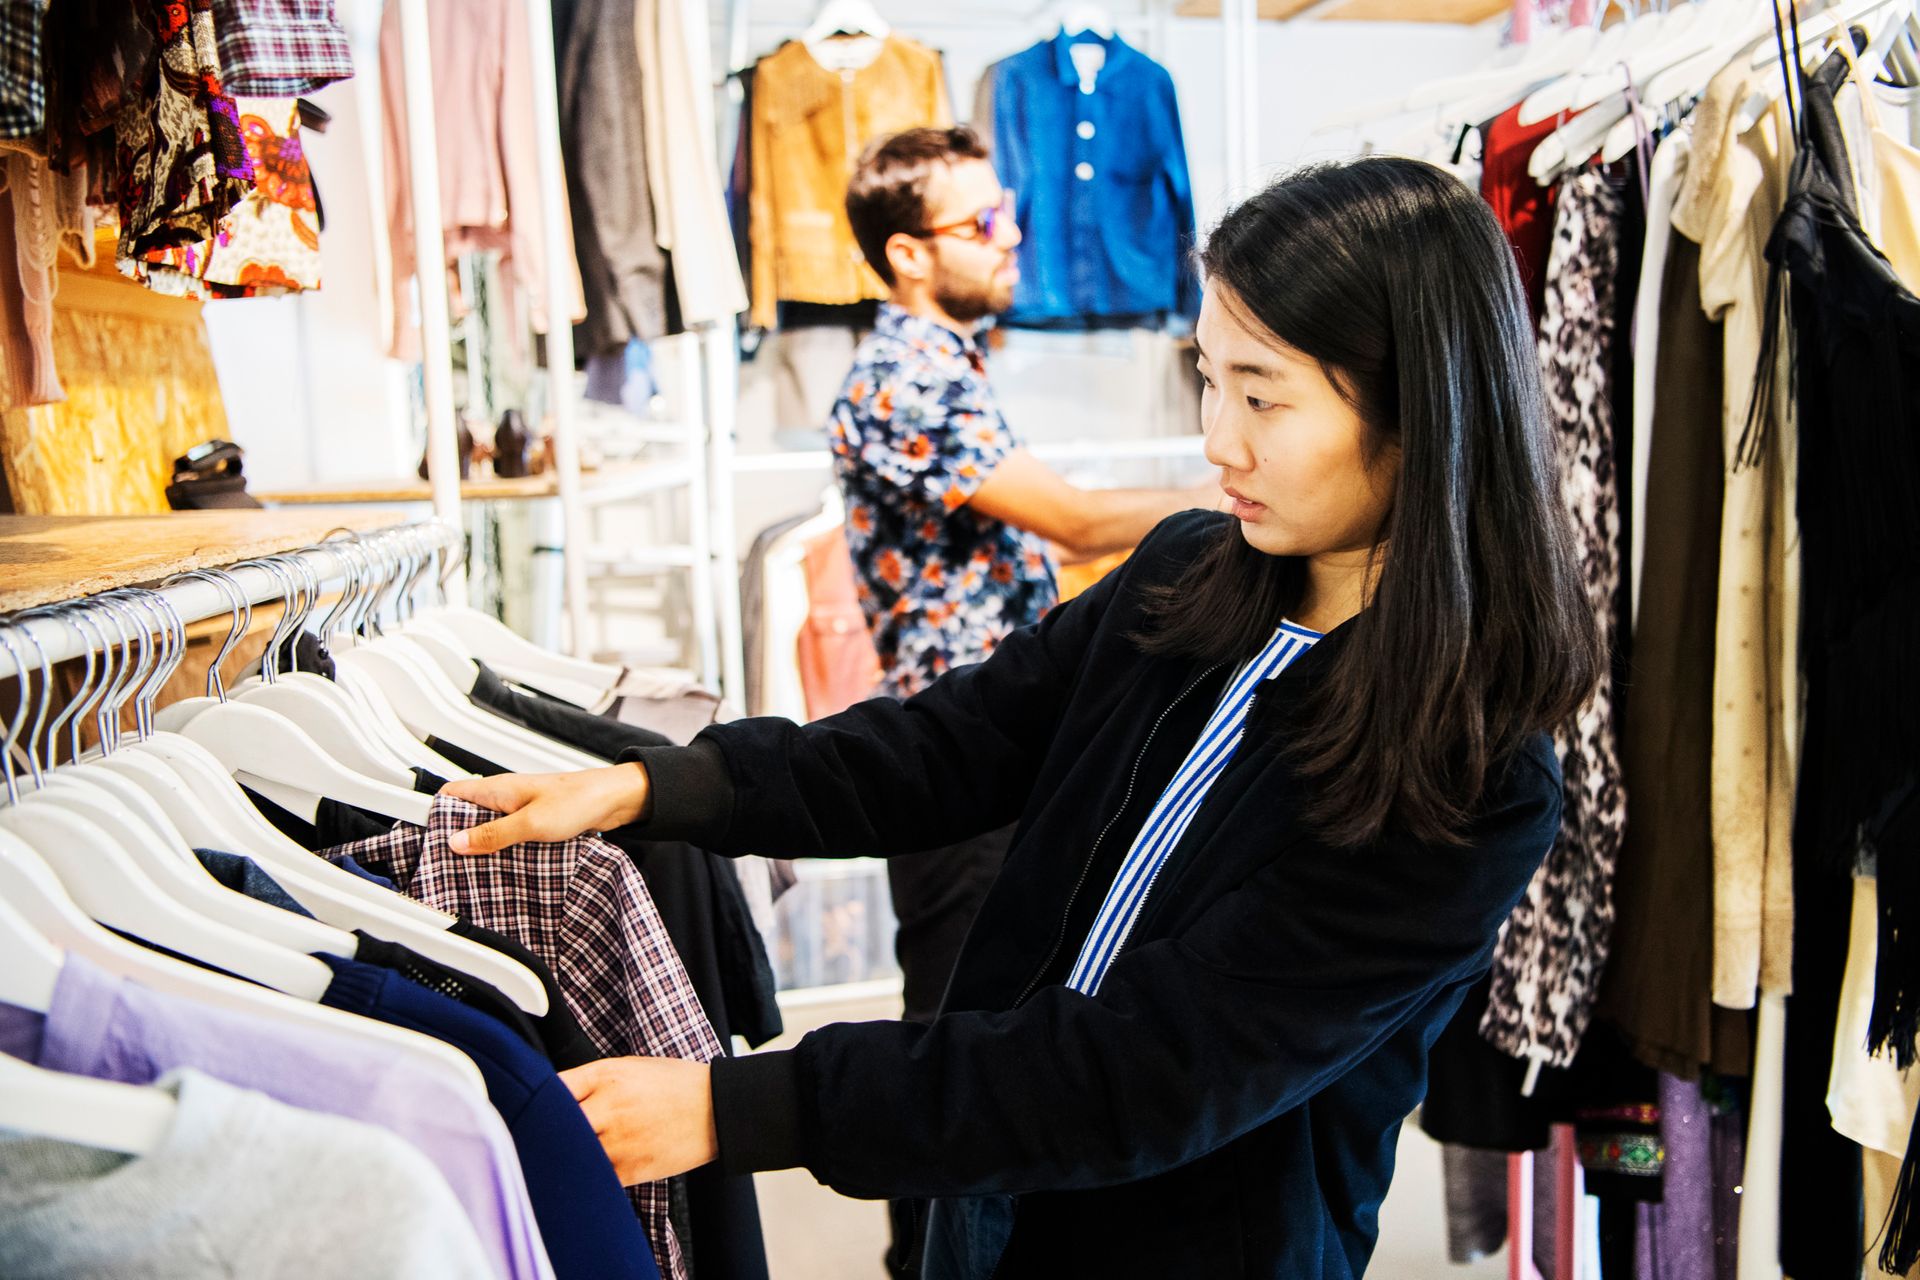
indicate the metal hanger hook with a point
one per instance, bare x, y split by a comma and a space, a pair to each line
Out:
59, 613
19, 715
242, 615
80, 616
42, 704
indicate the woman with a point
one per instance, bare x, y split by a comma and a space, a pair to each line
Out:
1278, 781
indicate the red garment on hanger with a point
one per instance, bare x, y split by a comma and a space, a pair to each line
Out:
1523, 207
838, 663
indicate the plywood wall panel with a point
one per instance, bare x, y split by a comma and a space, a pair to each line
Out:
141, 390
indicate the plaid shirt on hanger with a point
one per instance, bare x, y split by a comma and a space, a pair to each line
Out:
581, 906
280, 48
23, 87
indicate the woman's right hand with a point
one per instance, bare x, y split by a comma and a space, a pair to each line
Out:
550, 806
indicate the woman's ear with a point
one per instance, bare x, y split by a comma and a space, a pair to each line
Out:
910, 257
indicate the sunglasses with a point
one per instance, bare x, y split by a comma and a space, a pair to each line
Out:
985, 225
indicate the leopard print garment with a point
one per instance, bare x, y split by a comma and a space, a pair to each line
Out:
1546, 970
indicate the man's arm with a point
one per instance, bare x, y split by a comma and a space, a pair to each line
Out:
1028, 494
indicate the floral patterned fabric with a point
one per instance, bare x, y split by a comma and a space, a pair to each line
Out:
915, 434
181, 160
270, 243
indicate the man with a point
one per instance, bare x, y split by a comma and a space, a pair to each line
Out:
948, 517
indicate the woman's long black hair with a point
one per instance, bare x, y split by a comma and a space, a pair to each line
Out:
1398, 281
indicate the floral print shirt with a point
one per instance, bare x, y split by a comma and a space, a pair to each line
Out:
915, 434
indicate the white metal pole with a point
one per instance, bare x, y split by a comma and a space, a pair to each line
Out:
1239, 38
699, 489
559, 255
722, 403
430, 257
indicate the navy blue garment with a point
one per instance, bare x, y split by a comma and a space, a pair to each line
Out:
243, 875
584, 1216
346, 863
1100, 185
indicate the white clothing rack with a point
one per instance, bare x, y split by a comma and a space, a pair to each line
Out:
443, 458
195, 599
1074, 451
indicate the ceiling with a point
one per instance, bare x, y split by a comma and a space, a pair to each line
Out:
1467, 11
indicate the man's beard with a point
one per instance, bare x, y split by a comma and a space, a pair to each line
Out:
972, 301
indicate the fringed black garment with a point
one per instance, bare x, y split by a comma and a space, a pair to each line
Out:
1855, 334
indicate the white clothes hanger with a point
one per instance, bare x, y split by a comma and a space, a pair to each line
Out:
1817, 28
334, 895
845, 17
432, 707
29, 967
105, 1115
345, 901
1552, 52
1812, 37
327, 713
256, 745
1556, 97
1078, 19
189, 787
491, 641
158, 853
31, 888
1745, 27
356, 564
341, 764
185, 880
116, 891
428, 709
476, 636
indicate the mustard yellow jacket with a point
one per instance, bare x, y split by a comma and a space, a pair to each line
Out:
809, 126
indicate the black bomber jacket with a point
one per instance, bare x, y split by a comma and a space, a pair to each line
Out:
1228, 1103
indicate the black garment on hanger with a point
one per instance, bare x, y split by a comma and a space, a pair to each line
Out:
829, 315
335, 823
707, 918
566, 1045
1473, 1089
1855, 335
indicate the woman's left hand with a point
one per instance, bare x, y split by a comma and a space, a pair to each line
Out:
654, 1116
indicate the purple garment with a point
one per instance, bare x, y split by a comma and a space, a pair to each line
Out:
1693, 1232
110, 1028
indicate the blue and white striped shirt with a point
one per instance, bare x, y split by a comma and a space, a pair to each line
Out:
1174, 812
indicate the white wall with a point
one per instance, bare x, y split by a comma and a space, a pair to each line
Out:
312, 398
309, 392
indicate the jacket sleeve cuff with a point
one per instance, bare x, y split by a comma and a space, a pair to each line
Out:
690, 794
756, 1112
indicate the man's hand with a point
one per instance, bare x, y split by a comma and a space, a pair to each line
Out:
654, 1116
550, 806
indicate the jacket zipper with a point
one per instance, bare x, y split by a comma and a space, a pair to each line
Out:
1132, 781
1060, 939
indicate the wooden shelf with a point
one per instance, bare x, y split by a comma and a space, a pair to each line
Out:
44, 559
613, 481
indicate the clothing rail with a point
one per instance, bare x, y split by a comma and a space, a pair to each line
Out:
1070, 451
194, 599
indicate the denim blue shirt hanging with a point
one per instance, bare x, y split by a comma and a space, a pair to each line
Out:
1099, 173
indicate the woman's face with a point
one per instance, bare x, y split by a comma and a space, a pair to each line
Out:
1288, 445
